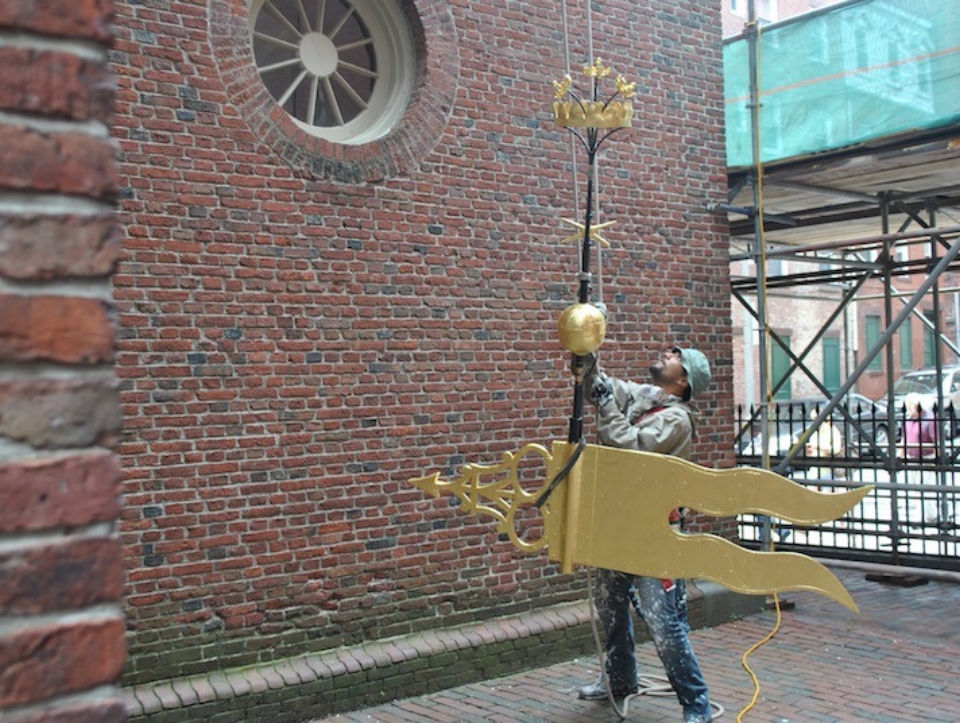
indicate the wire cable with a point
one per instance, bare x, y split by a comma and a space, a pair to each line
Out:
561, 475
596, 167
600, 654
573, 139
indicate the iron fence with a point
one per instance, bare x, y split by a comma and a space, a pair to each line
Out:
909, 457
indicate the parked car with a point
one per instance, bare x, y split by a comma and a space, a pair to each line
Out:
868, 436
874, 424
787, 419
924, 383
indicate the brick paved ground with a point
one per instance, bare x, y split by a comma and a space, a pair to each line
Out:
898, 661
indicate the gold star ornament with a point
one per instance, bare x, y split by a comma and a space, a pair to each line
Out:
593, 231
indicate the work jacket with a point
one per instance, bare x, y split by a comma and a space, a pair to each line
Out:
643, 417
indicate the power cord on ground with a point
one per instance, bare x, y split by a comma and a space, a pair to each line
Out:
746, 666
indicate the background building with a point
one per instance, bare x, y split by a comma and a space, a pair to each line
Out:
900, 94
796, 316
736, 12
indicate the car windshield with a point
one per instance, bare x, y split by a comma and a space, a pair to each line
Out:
919, 383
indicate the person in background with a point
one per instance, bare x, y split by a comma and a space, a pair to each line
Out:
918, 443
825, 443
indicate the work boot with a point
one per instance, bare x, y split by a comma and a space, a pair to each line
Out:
598, 691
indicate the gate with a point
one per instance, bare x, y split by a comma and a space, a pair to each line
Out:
909, 457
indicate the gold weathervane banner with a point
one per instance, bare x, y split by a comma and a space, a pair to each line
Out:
612, 511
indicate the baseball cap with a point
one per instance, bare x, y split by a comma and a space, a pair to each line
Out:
697, 367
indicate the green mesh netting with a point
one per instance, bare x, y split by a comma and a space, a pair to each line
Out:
856, 72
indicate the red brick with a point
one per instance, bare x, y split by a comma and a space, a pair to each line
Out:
50, 413
43, 493
68, 575
57, 247
55, 328
89, 19
64, 658
59, 85
72, 163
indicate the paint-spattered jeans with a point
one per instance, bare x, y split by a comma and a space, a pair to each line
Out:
658, 607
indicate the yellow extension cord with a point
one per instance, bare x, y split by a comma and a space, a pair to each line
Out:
746, 666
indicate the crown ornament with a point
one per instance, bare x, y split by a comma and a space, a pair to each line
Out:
570, 111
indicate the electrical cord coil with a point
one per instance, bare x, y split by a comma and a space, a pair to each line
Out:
652, 685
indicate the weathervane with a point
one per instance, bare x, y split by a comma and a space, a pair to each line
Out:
582, 326
598, 496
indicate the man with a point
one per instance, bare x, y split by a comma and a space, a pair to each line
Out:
651, 418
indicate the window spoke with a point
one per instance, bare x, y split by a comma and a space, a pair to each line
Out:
278, 66
276, 41
332, 101
366, 72
293, 86
275, 11
343, 21
321, 14
355, 44
349, 90
304, 20
312, 106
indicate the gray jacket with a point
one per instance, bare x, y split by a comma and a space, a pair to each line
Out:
645, 418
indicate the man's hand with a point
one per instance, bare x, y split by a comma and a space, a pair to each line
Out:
602, 391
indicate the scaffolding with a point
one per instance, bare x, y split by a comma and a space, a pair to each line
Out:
843, 134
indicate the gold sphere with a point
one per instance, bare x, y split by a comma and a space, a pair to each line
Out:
582, 328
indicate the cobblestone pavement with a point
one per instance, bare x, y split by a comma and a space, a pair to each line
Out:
897, 661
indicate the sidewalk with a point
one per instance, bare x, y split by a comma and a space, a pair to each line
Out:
897, 661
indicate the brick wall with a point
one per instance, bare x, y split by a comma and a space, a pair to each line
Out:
306, 327
61, 567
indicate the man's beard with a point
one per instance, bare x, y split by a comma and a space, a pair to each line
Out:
656, 372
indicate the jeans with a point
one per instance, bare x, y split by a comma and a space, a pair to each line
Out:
658, 607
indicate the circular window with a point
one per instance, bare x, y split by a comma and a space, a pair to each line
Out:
400, 60
341, 69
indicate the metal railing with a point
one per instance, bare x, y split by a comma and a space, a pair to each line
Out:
910, 458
